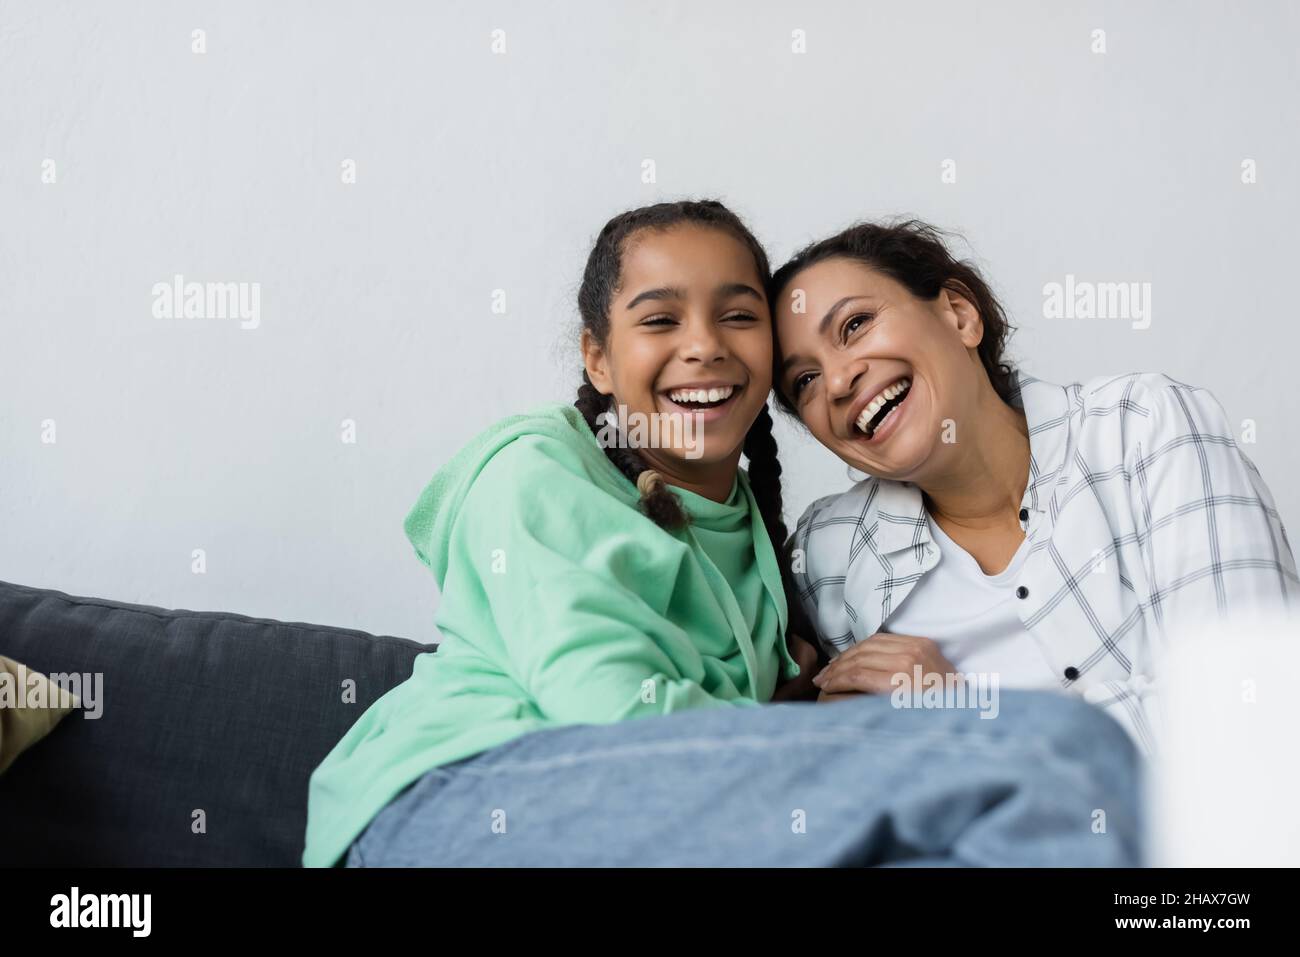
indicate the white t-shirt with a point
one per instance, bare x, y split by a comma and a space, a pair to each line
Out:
973, 617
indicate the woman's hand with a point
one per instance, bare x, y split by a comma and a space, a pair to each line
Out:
869, 666
802, 687
825, 697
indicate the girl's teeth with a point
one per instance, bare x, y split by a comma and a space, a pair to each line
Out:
702, 395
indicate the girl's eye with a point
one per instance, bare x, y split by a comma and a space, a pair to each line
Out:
665, 319
853, 324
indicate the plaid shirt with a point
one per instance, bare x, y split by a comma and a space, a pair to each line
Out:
1141, 513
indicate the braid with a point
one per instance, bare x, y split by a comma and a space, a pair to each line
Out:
659, 504
765, 482
765, 476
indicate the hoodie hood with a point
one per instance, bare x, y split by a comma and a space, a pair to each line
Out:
429, 523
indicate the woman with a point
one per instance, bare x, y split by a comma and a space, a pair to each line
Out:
1055, 537
585, 583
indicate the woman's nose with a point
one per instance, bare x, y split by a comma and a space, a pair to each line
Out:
842, 374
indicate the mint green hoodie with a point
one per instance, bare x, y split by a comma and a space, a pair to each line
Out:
561, 604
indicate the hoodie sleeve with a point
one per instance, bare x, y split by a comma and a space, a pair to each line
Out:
577, 585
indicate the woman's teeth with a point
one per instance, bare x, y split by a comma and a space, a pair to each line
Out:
698, 396
887, 397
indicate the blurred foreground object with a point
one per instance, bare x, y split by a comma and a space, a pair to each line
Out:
1224, 785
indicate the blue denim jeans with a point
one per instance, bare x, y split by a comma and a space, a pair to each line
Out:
1051, 781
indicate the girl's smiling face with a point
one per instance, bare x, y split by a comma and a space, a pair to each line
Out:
689, 318
880, 377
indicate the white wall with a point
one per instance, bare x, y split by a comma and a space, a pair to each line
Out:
478, 171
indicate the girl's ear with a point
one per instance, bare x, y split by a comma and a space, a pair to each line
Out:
593, 358
959, 309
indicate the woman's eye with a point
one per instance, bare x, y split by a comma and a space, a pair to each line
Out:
800, 383
742, 316
657, 320
854, 324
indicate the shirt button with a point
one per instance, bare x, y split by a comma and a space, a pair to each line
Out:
1024, 514
1022, 592
1071, 672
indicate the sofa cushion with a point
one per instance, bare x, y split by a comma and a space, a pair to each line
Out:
210, 726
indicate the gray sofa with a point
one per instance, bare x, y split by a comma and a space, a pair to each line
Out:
201, 711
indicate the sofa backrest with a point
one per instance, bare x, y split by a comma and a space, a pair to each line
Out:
201, 712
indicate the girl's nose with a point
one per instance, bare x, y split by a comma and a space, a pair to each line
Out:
701, 341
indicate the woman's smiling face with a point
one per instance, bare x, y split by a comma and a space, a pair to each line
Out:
689, 316
880, 377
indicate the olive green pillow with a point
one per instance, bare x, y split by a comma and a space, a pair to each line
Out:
30, 706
